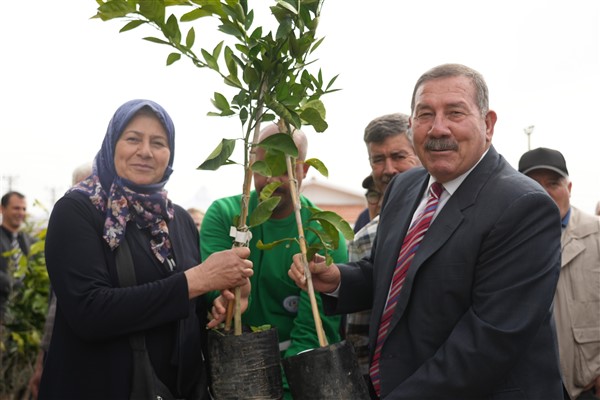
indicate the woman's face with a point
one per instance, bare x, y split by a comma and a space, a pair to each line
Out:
142, 152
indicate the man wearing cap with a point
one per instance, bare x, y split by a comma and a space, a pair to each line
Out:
577, 299
390, 152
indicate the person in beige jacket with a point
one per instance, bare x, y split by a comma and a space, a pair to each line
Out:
577, 299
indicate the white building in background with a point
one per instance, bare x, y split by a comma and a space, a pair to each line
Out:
345, 202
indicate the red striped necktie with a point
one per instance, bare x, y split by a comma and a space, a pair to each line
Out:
411, 243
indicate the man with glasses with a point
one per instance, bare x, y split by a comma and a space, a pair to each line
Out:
390, 152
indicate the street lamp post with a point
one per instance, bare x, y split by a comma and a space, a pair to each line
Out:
528, 131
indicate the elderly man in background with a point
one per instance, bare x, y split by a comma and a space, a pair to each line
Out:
390, 152
577, 299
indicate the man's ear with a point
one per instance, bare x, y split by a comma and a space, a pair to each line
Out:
305, 168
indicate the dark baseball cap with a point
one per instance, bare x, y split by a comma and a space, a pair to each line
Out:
368, 182
543, 158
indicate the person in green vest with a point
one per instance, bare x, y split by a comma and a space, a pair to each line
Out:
274, 298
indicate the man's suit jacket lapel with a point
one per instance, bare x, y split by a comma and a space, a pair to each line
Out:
441, 229
394, 222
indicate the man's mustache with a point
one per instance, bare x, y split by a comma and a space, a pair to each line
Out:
441, 145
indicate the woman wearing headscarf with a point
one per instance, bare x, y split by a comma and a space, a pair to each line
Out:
124, 200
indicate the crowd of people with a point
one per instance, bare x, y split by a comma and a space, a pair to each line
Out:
467, 278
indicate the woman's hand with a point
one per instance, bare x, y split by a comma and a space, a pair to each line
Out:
221, 270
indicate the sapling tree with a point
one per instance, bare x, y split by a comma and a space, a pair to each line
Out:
268, 73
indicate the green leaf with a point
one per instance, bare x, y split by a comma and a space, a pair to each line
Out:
281, 142
190, 38
219, 156
154, 10
234, 10
331, 82
132, 25
232, 80
283, 112
210, 60
169, 3
221, 102
293, 45
217, 50
276, 161
263, 211
249, 20
250, 75
318, 165
230, 61
316, 44
312, 24
172, 58
335, 220
115, 9
284, 29
36, 248
315, 248
244, 115
317, 105
331, 233
268, 190
287, 6
231, 29
268, 246
195, 14
313, 117
171, 29
324, 238
260, 328
261, 167
156, 40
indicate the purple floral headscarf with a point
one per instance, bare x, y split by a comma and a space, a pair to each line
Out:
122, 200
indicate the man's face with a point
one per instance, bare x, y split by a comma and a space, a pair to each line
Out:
557, 186
449, 133
286, 205
389, 158
13, 215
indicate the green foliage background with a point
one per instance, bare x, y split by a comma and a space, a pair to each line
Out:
22, 329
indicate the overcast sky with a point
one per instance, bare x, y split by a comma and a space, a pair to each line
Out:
63, 75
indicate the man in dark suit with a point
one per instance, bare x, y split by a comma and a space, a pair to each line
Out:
473, 315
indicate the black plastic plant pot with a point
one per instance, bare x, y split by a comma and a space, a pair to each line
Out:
247, 366
329, 372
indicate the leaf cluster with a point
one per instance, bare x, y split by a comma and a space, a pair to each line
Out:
268, 72
330, 224
25, 317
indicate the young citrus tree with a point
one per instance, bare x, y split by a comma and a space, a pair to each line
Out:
269, 75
